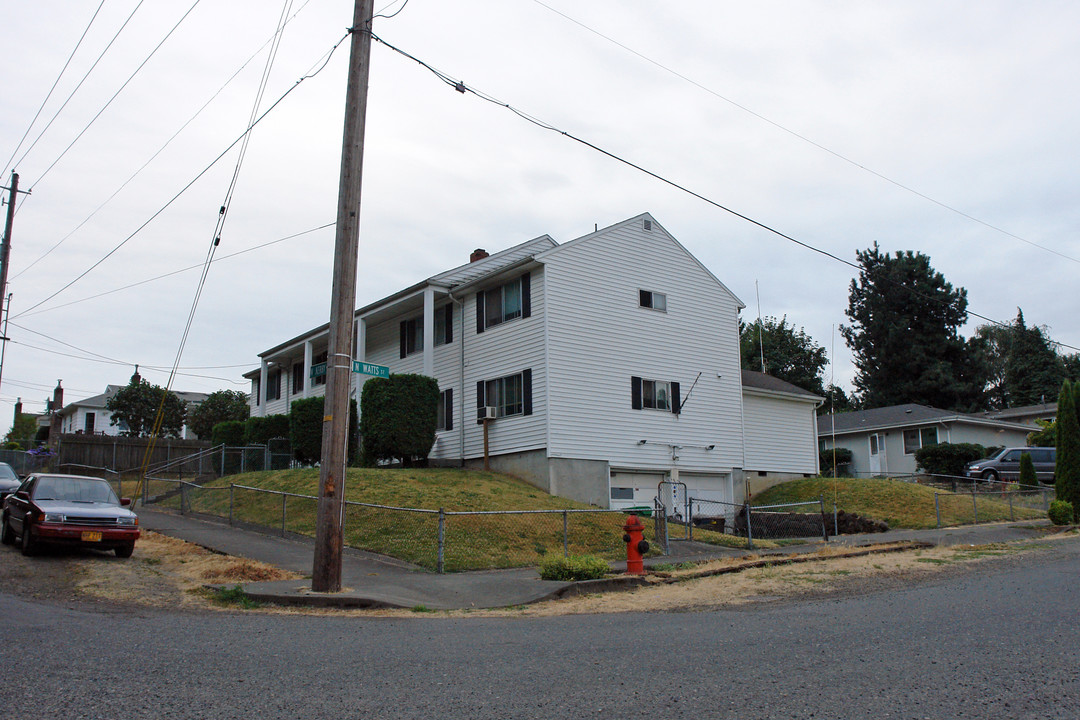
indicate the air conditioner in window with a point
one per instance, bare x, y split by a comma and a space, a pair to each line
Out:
489, 413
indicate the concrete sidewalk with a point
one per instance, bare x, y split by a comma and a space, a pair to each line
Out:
371, 581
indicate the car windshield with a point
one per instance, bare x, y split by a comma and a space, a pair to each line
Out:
79, 490
6, 473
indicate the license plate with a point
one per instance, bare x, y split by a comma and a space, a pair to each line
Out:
91, 536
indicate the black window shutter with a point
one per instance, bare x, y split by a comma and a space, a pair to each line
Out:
526, 297
676, 402
480, 312
403, 336
526, 392
635, 393
480, 402
449, 310
448, 410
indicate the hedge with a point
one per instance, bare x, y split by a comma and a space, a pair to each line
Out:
306, 429
948, 458
399, 417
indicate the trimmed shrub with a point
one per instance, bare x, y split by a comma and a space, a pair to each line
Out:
1067, 468
575, 567
399, 416
948, 458
258, 430
843, 457
1060, 512
1027, 470
306, 429
230, 432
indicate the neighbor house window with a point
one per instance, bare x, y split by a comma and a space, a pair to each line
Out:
273, 385
317, 360
503, 303
654, 395
297, 378
652, 300
89, 426
510, 395
919, 438
444, 416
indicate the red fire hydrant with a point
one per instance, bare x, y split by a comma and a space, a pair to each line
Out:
636, 545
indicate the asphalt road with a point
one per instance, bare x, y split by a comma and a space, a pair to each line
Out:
1000, 641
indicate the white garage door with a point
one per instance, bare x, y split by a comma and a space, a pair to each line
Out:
633, 489
709, 486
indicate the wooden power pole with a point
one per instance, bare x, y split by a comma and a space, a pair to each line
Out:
326, 570
5, 246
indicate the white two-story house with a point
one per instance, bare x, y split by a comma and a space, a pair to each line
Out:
608, 363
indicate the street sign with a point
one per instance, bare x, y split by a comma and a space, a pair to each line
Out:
318, 370
364, 368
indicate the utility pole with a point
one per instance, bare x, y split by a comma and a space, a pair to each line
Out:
5, 246
326, 569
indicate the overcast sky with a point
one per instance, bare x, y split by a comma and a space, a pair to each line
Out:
949, 128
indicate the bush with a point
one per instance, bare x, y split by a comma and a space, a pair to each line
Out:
257, 430
399, 416
948, 458
1060, 512
575, 567
230, 433
843, 457
306, 429
1027, 470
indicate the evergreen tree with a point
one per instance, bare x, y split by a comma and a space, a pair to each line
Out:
1067, 469
904, 335
1027, 470
790, 355
1033, 371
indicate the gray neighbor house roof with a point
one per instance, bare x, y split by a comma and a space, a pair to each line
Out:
99, 401
897, 416
753, 380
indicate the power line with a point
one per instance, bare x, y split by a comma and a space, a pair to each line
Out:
115, 95
461, 87
80, 84
186, 187
160, 149
49, 94
806, 139
177, 272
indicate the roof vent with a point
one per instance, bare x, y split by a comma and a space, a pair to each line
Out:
478, 254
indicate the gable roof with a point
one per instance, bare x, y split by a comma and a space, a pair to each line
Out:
907, 415
656, 227
99, 401
757, 381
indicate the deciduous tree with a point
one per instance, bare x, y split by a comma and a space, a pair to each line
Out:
790, 354
219, 406
135, 407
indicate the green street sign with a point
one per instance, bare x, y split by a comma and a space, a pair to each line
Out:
318, 370
364, 368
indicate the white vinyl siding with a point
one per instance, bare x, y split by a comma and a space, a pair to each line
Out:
780, 434
599, 337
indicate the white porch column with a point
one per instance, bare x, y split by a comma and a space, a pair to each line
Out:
307, 369
260, 402
360, 355
429, 332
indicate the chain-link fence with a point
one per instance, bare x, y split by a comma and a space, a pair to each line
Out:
444, 541
992, 502
769, 522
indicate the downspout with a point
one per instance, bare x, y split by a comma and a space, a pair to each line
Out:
461, 376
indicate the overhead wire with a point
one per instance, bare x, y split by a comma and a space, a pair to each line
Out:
804, 138
217, 258
80, 83
159, 150
115, 95
461, 87
7, 165
325, 60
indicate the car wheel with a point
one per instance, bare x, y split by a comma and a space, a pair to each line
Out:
7, 535
29, 547
124, 551
990, 476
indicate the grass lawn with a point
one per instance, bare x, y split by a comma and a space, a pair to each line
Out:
471, 542
900, 504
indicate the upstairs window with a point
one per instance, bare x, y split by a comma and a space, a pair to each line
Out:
298, 378
412, 331
652, 300
506, 302
273, 385
255, 393
655, 395
444, 325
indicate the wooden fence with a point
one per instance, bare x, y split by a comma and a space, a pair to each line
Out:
82, 453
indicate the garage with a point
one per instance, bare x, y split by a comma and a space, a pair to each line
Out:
630, 488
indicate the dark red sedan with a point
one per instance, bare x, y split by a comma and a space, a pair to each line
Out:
68, 510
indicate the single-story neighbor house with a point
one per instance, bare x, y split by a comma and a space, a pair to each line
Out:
883, 441
89, 416
605, 365
1024, 413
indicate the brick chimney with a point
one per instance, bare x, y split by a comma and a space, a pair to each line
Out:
478, 254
